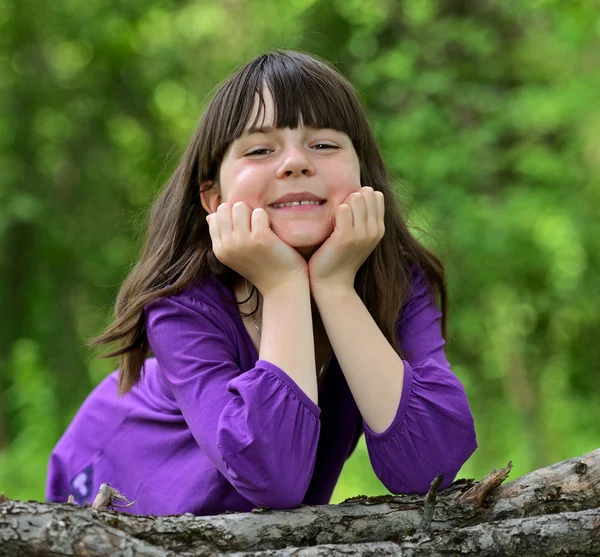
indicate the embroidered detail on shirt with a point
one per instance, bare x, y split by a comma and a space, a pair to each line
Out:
81, 486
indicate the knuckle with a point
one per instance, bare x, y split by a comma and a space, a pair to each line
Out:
354, 240
218, 251
239, 207
239, 242
373, 231
260, 239
225, 250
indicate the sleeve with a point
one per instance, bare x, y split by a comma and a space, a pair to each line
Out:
433, 431
257, 427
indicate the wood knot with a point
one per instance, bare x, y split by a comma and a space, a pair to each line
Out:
580, 468
548, 493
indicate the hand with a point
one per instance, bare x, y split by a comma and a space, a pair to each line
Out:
243, 240
358, 228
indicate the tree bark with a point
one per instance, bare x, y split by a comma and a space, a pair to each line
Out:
551, 511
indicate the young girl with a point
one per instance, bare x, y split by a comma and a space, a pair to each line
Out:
288, 310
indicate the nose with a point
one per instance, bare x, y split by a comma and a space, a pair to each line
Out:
295, 163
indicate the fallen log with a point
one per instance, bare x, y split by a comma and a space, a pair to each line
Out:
541, 536
554, 509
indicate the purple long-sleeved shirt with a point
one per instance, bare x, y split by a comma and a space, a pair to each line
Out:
211, 428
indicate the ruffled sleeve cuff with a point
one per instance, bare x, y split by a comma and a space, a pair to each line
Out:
267, 436
432, 433
290, 384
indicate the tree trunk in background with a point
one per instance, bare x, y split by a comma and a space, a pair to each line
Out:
552, 511
15, 272
37, 265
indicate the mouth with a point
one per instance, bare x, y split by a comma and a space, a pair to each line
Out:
308, 204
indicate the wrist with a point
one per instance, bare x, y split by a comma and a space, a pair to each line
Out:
331, 291
290, 287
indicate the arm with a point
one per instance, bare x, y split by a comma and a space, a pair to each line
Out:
287, 334
258, 427
373, 370
421, 424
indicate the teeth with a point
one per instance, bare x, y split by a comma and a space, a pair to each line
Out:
294, 203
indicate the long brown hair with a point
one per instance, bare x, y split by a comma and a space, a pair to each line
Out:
178, 248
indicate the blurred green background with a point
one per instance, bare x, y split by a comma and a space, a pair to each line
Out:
487, 113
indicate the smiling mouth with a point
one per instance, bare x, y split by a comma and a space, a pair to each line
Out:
295, 204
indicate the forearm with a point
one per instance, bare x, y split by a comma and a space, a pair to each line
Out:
371, 366
287, 334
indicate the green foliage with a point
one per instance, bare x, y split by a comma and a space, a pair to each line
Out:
31, 399
486, 112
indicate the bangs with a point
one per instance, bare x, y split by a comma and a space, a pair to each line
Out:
305, 92
302, 99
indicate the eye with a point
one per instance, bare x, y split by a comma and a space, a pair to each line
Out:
261, 151
320, 146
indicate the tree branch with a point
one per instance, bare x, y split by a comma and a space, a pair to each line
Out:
561, 504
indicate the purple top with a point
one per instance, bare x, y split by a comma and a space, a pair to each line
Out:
211, 428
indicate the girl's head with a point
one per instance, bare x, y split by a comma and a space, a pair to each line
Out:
285, 123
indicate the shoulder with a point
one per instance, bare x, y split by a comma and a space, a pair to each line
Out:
420, 301
206, 297
420, 284
420, 325
196, 324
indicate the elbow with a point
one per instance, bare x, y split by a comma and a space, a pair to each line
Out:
274, 494
410, 486
277, 487
57, 487
455, 458
279, 500
417, 479
420, 483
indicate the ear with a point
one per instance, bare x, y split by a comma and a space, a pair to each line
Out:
211, 197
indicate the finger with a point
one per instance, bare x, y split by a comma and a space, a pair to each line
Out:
240, 218
213, 228
343, 224
359, 213
225, 224
371, 207
380, 203
259, 220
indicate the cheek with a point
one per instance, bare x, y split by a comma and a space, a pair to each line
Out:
346, 180
343, 188
242, 185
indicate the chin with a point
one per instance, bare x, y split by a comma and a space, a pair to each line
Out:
302, 242
303, 238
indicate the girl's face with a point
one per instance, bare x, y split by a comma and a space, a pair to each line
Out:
266, 165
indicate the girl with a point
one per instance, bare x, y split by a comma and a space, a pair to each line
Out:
288, 310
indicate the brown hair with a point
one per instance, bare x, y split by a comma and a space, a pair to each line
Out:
178, 248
